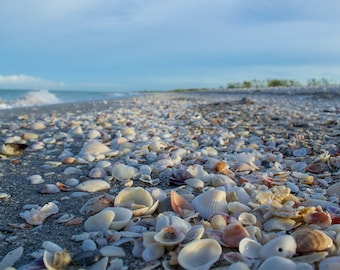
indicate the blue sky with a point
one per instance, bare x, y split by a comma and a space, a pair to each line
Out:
130, 45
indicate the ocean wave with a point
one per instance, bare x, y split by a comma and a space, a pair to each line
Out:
31, 98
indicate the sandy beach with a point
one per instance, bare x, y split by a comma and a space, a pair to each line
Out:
279, 135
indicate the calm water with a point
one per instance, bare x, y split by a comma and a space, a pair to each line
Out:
24, 98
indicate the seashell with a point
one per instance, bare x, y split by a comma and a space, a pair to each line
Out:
218, 180
180, 205
153, 252
278, 263
93, 134
75, 131
238, 207
12, 149
36, 216
195, 233
169, 236
279, 224
122, 172
303, 178
322, 219
309, 240
35, 179
195, 183
233, 233
86, 258
316, 168
335, 162
241, 194
244, 158
250, 248
218, 222
283, 246
122, 217
56, 259
247, 218
334, 189
310, 258
298, 166
49, 189
112, 251
11, 257
199, 254
99, 222
331, 263
100, 264
38, 125
222, 167
97, 172
96, 204
93, 185
136, 199
239, 266
94, 148
88, 244
210, 202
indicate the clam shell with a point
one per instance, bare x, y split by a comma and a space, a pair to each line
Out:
48, 189
233, 233
238, 207
56, 260
122, 172
283, 246
309, 240
99, 222
169, 236
279, 224
93, 185
94, 148
278, 263
210, 202
250, 248
199, 254
121, 218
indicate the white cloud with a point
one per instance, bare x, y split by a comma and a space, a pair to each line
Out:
27, 82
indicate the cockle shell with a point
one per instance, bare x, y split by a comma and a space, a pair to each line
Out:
233, 233
283, 246
279, 224
309, 240
136, 199
36, 216
169, 236
210, 202
199, 254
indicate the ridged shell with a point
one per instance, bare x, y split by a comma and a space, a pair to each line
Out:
199, 254
309, 240
278, 224
283, 246
210, 202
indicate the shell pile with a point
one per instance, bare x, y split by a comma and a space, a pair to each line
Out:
180, 181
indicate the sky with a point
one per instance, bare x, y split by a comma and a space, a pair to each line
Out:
133, 45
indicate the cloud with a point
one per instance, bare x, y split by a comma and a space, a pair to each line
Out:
27, 82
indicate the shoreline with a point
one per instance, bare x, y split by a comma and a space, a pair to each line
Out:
199, 122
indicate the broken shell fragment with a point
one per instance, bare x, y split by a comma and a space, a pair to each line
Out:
36, 216
199, 254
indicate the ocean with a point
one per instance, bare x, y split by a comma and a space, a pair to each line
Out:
25, 98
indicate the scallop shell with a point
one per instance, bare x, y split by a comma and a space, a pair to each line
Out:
277, 263
250, 248
169, 236
210, 202
279, 224
136, 199
309, 240
36, 216
233, 233
199, 254
283, 246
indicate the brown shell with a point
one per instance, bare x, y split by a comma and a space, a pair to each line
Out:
233, 233
311, 240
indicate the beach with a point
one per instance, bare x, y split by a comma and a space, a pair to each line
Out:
266, 140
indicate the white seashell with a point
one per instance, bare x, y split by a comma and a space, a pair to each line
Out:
210, 202
93, 185
331, 263
122, 217
247, 218
279, 224
169, 236
56, 259
75, 131
112, 251
239, 266
93, 134
11, 257
195, 233
35, 179
38, 125
244, 158
278, 263
218, 180
153, 252
250, 248
199, 254
122, 172
283, 246
145, 169
94, 148
72, 170
49, 189
334, 189
72, 182
97, 172
99, 265
238, 207
195, 183
36, 216
99, 222
88, 244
